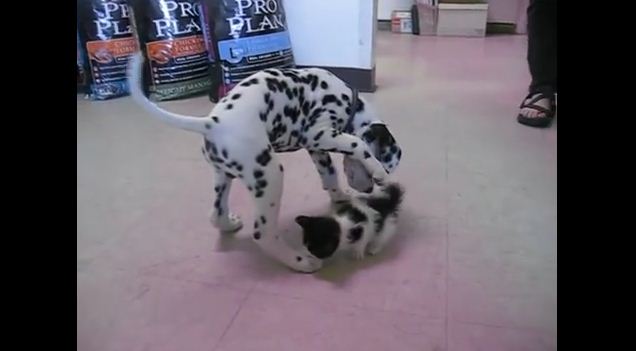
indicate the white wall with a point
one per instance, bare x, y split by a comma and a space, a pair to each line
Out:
332, 33
385, 7
503, 11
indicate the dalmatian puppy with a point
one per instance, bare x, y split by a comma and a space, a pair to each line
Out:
283, 110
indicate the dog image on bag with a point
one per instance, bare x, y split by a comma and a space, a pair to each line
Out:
362, 225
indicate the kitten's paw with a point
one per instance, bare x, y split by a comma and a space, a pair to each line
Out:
357, 254
373, 250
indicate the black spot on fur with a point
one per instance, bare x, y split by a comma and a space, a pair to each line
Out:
354, 144
261, 183
259, 193
207, 126
280, 167
355, 234
263, 220
289, 93
327, 99
317, 136
215, 119
298, 258
324, 85
258, 173
249, 82
229, 106
367, 154
345, 97
313, 81
224, 153
267, 97
236, 96
354, 214
272, 72
263, 158
360, 106
257, 235
275, 85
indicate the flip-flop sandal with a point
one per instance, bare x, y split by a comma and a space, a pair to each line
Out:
540, 122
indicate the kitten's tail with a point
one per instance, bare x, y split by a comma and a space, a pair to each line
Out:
386, 199
396, 195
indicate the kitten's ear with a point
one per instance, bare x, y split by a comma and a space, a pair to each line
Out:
302, 220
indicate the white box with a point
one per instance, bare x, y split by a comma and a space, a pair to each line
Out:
468, 20
401, 22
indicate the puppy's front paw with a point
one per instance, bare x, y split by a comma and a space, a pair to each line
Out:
228, 224
380, 178
338, 195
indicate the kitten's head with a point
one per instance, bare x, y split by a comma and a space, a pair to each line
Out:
321, 235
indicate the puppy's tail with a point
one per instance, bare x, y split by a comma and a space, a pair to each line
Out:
135, 69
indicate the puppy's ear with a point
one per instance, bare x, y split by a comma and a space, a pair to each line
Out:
303, 220
382, 134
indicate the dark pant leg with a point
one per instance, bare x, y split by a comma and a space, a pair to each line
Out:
542, 46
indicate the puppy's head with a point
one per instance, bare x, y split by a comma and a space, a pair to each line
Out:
321, 235
383, 147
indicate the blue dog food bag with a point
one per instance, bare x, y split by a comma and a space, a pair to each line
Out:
246, 36
106, 41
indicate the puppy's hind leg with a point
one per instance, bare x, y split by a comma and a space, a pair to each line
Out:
265, 183
220, 215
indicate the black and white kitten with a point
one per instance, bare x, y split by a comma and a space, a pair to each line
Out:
362, 224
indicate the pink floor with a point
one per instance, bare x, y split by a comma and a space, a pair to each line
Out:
473, 268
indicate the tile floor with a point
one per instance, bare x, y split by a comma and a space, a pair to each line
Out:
474, 267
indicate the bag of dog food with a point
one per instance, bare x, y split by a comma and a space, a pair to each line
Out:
247, 36
106, 41
79, 67
171, 35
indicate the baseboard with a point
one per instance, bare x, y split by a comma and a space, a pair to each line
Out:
362, 79
501, 28
384, 25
